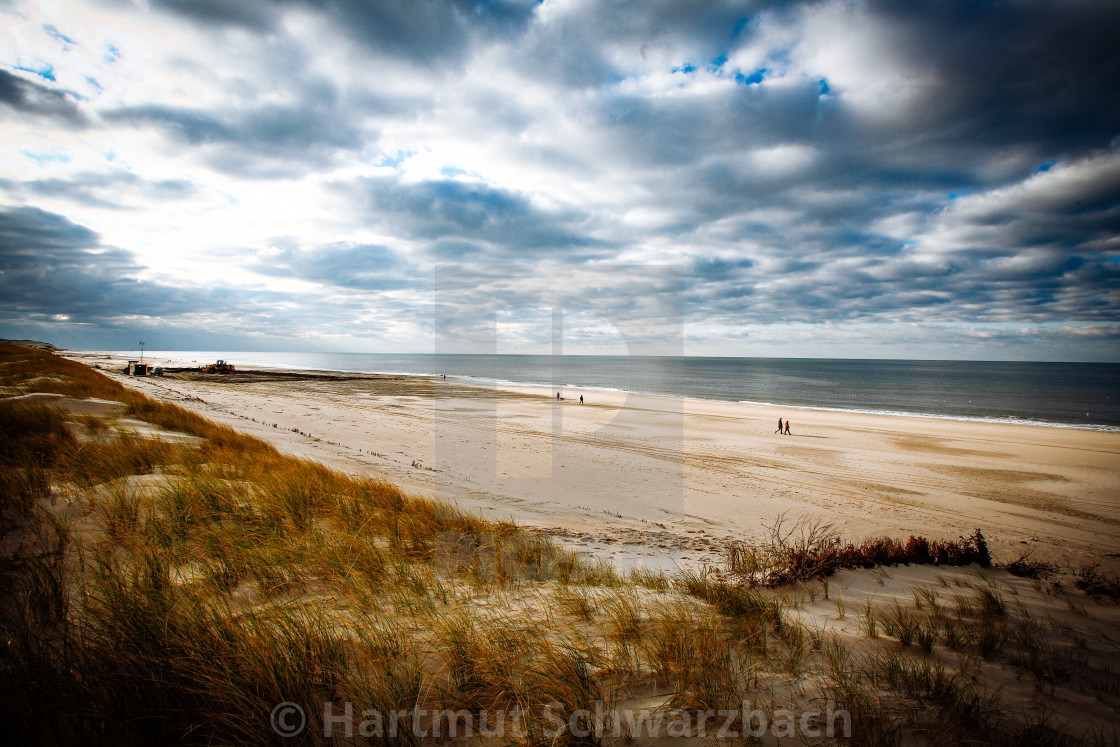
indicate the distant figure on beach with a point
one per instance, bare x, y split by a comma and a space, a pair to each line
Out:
558, 396
779, 426
581, 399
787, 429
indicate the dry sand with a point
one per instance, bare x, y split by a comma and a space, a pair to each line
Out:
664, 482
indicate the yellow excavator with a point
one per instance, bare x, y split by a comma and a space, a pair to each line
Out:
220, 367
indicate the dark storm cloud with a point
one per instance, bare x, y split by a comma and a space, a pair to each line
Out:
50, 265
58, 281
108, 190
717, 269
345, 265
683, 131
26, 233
1015, 73
425, 31
258, 15
421, 31
27, 98
265, 140
456, 214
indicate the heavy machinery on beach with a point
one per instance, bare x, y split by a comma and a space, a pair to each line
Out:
221, 367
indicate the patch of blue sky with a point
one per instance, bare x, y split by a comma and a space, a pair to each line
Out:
453, 171
112, 54
825, 89
716, 65
687, 68
44, 70
94, 84
46, 157
1048, 165
393, 160
753, 79
61, 38
740, 25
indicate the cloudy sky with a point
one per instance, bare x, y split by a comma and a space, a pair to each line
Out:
852, 179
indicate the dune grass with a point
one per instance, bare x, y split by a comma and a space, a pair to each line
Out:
160, 593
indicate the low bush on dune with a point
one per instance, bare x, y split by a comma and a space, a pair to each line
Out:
809, 548
1091, 580
1025, 567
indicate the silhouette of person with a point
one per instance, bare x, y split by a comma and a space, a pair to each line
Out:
581, 399
558, 396
779, 426
787, 428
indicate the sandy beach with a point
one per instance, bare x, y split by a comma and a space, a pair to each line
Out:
666, 482
205, 541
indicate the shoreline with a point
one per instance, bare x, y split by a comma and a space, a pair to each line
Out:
664, 482
536, 385
1008, 420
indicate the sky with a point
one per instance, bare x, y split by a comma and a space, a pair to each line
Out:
895, 179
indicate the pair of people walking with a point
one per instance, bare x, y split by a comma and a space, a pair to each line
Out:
786, 431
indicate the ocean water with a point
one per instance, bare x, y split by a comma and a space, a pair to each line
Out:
1084, 395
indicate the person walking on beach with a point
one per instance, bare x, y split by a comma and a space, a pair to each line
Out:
558, 396
787, 428
779, 426
581, 399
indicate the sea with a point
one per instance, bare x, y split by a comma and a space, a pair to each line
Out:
1072, 395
